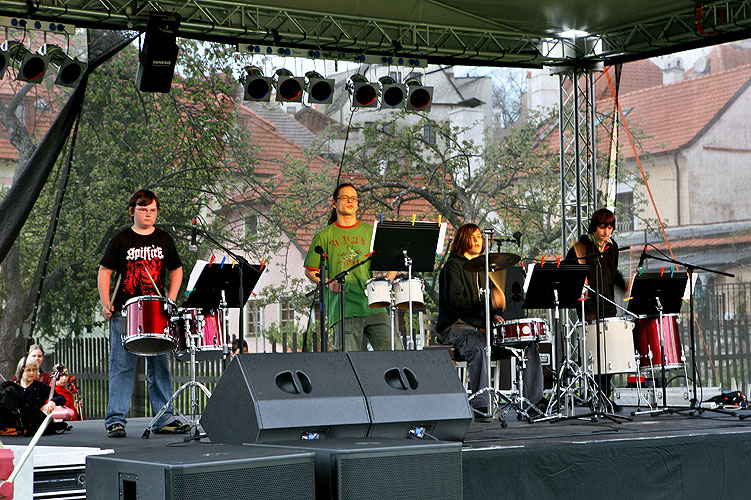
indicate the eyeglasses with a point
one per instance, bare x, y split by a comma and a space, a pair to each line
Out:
348, 198
147, 210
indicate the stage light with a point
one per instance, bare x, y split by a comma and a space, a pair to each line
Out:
420, 97
392, 94
288, 87
30, 67
69, 71
364, 94
320, 90
257, 87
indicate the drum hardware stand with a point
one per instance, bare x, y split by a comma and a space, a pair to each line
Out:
517, 401
192, 339
695, 405
600, 402
411, 344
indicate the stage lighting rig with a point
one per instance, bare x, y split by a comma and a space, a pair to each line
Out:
257, 87
320, 90
288, 87
392, 94
420, 97
30, 66
364, 94
69, 71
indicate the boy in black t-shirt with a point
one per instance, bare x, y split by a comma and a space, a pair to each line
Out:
142, 255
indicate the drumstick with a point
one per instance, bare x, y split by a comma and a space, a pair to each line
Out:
152, 281
114, 292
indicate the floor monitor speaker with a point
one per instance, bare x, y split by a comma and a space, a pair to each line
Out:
263, 397
412, 393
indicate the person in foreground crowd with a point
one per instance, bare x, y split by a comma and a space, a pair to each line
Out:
37, 354
598, 245
142, 255
346, 241
461, 316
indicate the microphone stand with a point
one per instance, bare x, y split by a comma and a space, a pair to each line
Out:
322, 303
341, 278
695, 405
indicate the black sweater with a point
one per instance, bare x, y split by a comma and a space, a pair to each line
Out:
459, 296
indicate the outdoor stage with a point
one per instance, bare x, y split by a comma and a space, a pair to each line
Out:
667, 456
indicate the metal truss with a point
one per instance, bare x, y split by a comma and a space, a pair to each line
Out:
578, 162
350, 36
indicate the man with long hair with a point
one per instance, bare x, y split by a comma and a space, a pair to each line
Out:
346, 241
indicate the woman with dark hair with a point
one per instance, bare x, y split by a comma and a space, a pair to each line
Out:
345, 242
461, 310
598, 244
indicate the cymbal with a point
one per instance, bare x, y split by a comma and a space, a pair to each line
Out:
496, 261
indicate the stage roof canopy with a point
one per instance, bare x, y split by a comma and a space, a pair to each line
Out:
525, 33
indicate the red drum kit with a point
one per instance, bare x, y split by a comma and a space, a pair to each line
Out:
155, 325
521, 331
647, 341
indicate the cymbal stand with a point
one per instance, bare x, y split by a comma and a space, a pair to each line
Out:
192, 339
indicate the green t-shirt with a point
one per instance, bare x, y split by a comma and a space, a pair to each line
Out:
345, 247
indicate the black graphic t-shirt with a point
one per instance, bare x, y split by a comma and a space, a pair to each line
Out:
134, 257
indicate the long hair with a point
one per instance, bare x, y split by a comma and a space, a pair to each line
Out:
601, 216
463, 238
332, 217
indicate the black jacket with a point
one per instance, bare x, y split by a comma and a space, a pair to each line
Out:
459, 296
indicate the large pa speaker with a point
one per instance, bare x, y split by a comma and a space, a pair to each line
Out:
383, 469
158, 56
412, 392
201, 472
265, 397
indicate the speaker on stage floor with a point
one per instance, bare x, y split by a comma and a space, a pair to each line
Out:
383, 469
410, 391
200, 472
264, 397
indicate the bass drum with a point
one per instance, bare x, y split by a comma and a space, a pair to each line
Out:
148, 330
617, 353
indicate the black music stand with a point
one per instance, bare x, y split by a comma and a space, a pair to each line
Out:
555, 286
223, 281
405, 246
656, 294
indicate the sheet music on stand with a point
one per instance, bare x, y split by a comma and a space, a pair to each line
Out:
421, 240
671, 288
206, 283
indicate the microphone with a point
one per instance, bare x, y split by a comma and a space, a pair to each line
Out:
319, 250
643, 256
192, 247
518, 236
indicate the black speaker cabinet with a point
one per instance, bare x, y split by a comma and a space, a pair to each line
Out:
410, 391
384, 469
263, 397
201, 472
157, 59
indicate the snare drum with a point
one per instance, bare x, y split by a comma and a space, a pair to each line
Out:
148, 331
616, 346
520, 331
404, 288
209, 344
647, 338
378, 292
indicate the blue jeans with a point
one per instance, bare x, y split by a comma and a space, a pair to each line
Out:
122, 369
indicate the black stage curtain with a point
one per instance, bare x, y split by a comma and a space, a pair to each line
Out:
20, 200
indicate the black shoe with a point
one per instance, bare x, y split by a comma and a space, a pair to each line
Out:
174, 427
116, 431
